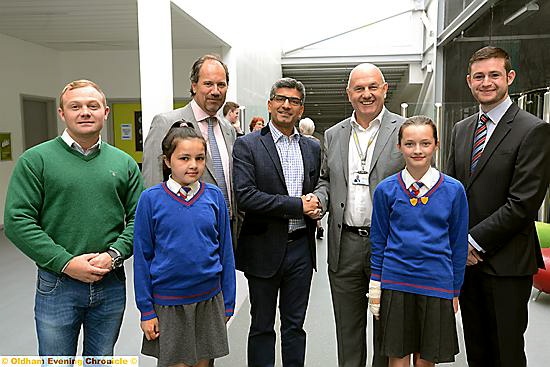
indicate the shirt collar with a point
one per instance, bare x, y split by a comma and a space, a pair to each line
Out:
72, 143
276, 134
175, 187
376, 122
497, 112
199, 113
429, 179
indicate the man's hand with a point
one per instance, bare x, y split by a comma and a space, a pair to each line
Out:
150, 328
103, 261
79, 268
473, 256
311, 206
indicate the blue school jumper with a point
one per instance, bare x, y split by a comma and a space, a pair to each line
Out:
420, 245
183, 252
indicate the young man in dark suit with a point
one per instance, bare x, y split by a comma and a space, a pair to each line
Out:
502, 157
275, 169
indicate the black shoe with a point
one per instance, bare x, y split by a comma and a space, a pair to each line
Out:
320, 232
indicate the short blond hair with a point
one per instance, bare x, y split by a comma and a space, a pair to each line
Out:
81, 83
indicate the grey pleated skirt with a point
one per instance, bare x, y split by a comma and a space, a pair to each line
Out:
412, 323
189, 333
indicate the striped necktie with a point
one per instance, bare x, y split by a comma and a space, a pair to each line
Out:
184, 191
479, 141
219, 175
415, 188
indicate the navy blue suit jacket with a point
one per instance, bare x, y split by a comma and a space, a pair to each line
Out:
261, 193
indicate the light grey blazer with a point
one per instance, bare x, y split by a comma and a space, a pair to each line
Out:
332, 189
152, 149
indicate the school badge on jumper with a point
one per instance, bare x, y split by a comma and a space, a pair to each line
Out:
423, 200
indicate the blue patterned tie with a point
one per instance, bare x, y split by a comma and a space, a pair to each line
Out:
415, 188
479, 141
217, 160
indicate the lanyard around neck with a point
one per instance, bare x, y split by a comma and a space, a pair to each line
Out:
363, 157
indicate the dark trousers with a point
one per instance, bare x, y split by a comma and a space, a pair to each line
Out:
292, 284
349, 287
494, 318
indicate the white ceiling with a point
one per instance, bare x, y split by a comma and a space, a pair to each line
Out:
87, 25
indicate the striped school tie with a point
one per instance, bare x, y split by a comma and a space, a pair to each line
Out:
217, 160
415, 188
184, 191
479, 141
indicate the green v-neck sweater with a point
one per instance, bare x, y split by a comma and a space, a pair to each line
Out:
61, 204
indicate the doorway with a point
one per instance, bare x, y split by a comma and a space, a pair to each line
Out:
39, 120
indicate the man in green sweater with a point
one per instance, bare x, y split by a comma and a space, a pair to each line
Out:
70, 208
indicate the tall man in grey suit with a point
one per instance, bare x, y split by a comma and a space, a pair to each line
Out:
209, 81
358, 153
502, 157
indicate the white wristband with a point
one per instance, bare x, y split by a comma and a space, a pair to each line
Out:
375, 290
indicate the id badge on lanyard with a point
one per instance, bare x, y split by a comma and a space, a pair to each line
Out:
361, 177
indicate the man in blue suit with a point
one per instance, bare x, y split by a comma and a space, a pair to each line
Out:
275, 170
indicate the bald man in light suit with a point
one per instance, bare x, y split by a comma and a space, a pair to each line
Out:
359, 152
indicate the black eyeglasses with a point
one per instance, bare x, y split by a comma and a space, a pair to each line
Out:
294, 101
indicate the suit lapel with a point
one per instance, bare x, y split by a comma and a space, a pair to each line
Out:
502, 129
267, 140
343, 141
227, 134
387, 126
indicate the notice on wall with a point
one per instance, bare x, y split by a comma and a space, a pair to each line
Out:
126, 131
5, 146
138, 131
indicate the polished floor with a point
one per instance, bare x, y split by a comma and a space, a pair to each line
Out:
17, 299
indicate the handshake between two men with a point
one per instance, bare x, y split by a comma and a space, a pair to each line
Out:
311, 206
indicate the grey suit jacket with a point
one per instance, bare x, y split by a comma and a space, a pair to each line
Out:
152, 149
332, 189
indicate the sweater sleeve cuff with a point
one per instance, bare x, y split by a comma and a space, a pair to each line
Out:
229, 312
148, 315
61, 263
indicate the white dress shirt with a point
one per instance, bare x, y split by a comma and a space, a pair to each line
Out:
358, 210
175, 187
429, 180
74, 145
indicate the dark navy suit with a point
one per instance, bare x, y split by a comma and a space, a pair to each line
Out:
274, 265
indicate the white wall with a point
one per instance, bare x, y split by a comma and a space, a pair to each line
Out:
117, 72
257, 70
25, 68
254, 59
